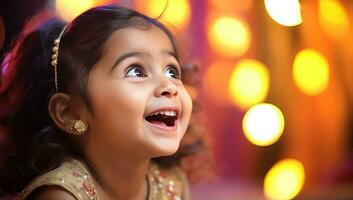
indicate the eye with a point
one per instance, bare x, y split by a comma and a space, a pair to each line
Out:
173, 71
135, 71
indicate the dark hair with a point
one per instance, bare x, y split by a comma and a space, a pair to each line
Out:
30, 143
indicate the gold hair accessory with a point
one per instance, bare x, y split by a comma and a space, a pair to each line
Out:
54, 58
79, 127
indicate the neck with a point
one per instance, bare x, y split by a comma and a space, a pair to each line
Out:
122, 178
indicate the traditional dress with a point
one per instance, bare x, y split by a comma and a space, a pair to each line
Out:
73, 176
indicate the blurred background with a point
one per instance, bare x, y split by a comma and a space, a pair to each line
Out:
273, 89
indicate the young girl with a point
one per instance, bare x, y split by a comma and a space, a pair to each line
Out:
89, 110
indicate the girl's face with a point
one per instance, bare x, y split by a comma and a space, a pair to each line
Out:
140, 105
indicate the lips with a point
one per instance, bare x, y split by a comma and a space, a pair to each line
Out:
164, 117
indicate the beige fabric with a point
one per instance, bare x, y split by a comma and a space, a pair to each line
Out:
168, 184
73, 176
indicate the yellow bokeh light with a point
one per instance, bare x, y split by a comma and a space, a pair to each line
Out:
333, 19
284, 180
263, 124
311, 72
249, 83
69, 9
229, 37
176, 12
284, 12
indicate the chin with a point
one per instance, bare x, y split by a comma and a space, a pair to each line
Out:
165, 149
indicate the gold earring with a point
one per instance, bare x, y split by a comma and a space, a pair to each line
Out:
79, 127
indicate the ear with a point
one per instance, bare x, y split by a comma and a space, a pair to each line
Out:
60, 109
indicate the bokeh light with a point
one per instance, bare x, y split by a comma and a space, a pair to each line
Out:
234, 5
284, 12
176, 13
229, 36
284, 180
333, 19
191, 90
215, 82
249, 83
263, 124
311, 72
69, 9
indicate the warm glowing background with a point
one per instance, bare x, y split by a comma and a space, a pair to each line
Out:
276, 91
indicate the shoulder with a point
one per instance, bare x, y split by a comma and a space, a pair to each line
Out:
70, 179
51, 193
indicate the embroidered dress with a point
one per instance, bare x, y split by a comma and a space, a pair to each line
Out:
73, 176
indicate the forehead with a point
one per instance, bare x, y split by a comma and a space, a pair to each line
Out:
128, 39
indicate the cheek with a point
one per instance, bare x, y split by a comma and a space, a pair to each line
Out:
117, 107
186, 104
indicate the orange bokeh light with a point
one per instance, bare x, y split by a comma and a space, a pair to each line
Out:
69, 9
175, 14
216, 80
232, 6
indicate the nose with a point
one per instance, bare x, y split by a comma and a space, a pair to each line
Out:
166, 88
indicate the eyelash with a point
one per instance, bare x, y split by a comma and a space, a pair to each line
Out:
177, 69
138, 66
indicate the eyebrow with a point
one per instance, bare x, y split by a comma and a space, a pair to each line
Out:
171, 53
136, 54
123, 57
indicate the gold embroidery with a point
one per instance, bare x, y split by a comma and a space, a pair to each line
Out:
74, 176
164, 185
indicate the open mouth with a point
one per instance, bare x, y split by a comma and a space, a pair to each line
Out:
163, 118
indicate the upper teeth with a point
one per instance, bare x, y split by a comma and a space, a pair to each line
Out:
168, 113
